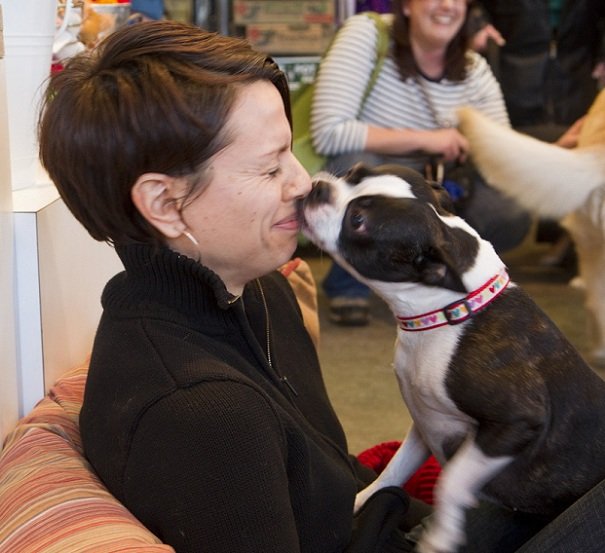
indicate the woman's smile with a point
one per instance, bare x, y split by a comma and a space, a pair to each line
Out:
290, 223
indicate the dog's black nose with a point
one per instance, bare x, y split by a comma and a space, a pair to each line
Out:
320, 193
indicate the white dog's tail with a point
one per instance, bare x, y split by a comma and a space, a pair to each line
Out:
544, 178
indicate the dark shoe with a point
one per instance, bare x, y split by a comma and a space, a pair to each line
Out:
561, 254
549, 230
350, 311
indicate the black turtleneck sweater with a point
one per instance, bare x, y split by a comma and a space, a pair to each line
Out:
207, 415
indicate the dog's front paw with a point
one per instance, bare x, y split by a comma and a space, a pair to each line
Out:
428, 545
424, 547
439, 539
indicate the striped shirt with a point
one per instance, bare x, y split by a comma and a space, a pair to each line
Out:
339, 126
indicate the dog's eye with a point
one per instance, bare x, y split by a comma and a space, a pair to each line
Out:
418, 260
357, 220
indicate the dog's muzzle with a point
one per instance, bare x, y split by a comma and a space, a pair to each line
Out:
321, 193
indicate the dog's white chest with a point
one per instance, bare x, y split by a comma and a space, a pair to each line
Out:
421, 364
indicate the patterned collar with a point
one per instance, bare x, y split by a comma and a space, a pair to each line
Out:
460, 310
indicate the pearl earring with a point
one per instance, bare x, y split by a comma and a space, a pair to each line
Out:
192, 238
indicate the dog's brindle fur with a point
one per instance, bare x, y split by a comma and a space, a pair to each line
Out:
502, 400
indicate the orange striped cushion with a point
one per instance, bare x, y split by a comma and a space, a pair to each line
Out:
50, 499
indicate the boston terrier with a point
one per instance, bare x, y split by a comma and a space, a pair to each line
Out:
496, 392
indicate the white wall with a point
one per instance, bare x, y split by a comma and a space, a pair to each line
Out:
60, 274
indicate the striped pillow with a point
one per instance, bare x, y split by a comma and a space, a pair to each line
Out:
50, 499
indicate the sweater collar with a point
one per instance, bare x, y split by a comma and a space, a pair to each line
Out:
159, 274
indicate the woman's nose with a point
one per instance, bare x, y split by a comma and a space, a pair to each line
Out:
301, 180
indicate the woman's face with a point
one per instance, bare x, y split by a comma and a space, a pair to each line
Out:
434, 23
246, 219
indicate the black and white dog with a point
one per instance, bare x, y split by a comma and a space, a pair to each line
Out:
496, 392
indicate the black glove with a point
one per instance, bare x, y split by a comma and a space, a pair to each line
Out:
375, 525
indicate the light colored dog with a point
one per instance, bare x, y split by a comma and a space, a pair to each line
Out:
483, 371
565, 184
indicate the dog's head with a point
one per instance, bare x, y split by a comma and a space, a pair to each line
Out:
390, 225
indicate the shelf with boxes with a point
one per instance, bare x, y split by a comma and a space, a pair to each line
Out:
294, 32
286, 27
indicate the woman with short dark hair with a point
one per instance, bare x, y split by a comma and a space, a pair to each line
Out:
205, 411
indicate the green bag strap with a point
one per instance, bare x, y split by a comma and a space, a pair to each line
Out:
302, 145
301, 103
382, 49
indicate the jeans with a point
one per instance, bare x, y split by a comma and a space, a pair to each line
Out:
339, 282
494, 529
497, 218
579, 529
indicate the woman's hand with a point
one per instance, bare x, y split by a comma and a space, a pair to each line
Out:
484, 35
569, 139
448, 143
598, 73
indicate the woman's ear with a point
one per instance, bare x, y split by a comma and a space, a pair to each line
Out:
405, 8
156, 196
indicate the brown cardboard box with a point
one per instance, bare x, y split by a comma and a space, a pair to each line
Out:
281, 38
283, 11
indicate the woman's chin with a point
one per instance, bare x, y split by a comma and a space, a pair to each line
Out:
288, 251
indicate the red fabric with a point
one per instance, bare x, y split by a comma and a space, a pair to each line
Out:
422, 482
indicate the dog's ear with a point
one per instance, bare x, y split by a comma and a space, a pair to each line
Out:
443, 200
357, 173
447, 258
435, 268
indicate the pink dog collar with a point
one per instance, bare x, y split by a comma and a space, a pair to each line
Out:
460, 310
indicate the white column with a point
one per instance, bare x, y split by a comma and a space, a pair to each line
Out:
8, 367
61, 272
29, 28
